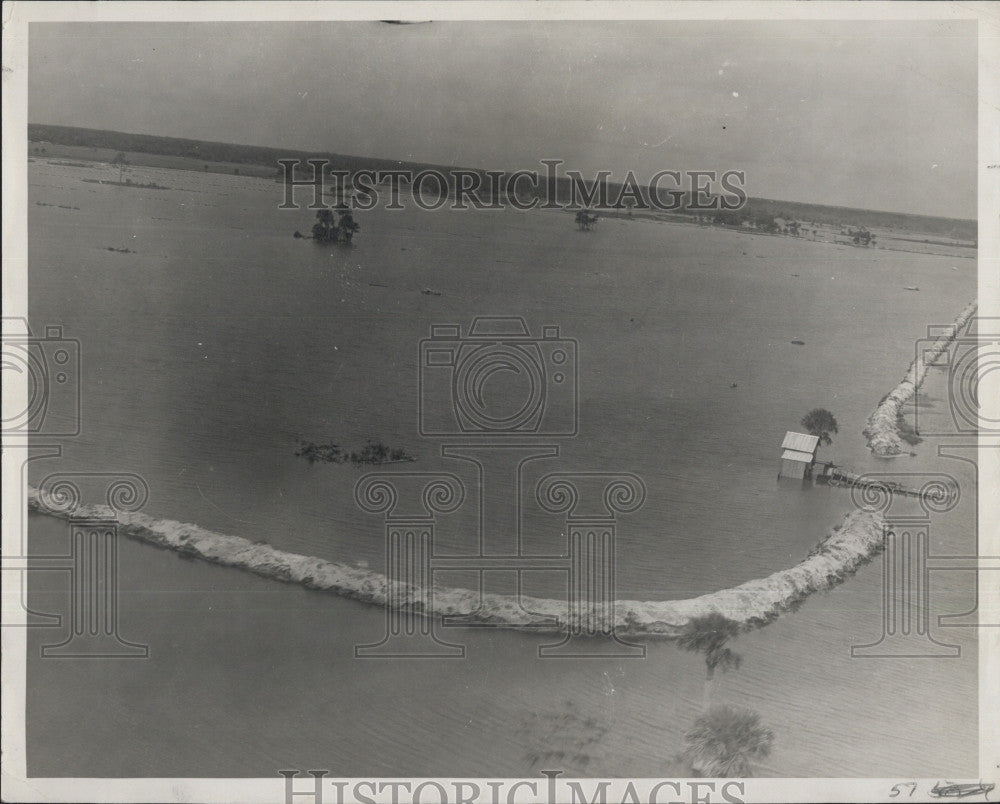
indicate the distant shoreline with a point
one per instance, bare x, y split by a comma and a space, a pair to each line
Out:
886, 239
262, 161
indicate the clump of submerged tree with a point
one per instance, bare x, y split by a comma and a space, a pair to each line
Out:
585, 221
329, 229
860, 236
374, 453
768, 224
725, 740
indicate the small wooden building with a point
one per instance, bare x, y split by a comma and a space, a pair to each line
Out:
798, 452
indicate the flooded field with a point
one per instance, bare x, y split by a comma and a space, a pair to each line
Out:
212, 343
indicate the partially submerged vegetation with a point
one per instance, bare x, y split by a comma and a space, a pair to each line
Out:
373, 453
708, 634
327, 229
727, 742
821, 423
127, 183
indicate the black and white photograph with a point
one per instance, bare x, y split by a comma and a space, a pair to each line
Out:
475, 403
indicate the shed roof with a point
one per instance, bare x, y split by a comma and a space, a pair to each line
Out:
795, 455
800, 442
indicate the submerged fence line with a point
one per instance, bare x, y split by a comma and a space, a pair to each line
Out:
848, 546
842, 477
882, 427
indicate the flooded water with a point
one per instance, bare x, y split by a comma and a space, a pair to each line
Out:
220, 341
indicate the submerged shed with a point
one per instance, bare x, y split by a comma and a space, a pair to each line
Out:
798, 451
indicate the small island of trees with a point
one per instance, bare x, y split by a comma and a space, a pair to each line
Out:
328, 229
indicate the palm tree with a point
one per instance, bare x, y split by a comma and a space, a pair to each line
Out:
709, 634
726, 741
820, 422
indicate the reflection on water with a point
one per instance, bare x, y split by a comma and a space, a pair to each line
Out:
209, 351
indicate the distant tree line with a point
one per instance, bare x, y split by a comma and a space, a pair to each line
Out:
759, 210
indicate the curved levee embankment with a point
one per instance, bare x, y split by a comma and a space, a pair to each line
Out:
882, 427
753, 604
